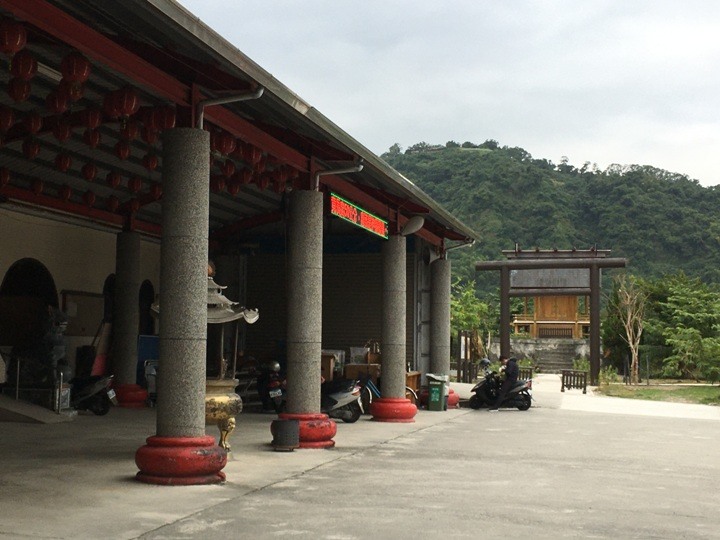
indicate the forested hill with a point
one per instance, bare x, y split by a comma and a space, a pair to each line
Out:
663, 222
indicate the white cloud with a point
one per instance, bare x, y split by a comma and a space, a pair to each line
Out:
605, 81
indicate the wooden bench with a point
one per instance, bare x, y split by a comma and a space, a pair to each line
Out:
574, 379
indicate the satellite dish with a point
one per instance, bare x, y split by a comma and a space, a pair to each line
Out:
413, 225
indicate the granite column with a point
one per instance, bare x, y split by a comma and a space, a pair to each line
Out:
181, 453
393, 406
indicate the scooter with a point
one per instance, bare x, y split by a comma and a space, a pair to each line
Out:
485, 392
92, 394
271, 387
340, 398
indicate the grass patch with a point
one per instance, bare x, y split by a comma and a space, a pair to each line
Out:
678, 393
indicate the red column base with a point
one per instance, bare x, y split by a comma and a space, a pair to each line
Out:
453, 399
131, 396
393, 410
316, 429
180, 461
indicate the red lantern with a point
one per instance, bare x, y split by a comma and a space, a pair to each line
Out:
75, 68
261, 165
129, 131
91, 118
156, 191
262, 181
246, 177
217, 184
163, 118
7, 118
23, 65
13, 36
18, 90
233, 187
30, 148
89, 198
38, 186
4, 177
56, 103
150, 161
251, 154
134, 206
135, 184
122, 150
228, 168
92, 137
110, 107
63, 162
33, 122
224, 143
278, 186
65, 192
113, 203
113, 179
73, 90
149, 135
126, 101
62, 131
89, 171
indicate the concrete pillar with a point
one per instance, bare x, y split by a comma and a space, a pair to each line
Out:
181, 453
594, 324
393, 406
126, 320
440, 275
505, 311
304, 311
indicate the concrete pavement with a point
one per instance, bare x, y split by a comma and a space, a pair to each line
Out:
573, 466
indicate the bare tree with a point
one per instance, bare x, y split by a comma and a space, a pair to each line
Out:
631, 310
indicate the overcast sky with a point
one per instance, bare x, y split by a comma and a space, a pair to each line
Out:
603, 81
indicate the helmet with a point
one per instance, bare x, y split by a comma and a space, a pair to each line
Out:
273, 366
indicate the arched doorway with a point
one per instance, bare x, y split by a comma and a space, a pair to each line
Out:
31, 324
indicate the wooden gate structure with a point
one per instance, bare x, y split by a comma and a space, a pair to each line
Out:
553, 273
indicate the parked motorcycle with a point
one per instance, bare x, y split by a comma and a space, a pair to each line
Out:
271, 387
486, 391
340, 398
92, 394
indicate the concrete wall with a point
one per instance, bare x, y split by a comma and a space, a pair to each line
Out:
352, 301
79, 259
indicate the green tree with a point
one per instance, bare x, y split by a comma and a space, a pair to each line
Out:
468, 313
685, 316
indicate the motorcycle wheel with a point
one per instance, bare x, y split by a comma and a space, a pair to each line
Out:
524, 402
100, 405
278, 405
476, 402
355, 413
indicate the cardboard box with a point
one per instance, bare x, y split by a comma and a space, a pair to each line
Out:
359, 371
327, 366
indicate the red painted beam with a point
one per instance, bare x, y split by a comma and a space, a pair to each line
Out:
94, 214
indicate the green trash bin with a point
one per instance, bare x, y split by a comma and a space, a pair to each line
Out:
437, 393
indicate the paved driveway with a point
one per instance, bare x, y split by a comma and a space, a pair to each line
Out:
572, 466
